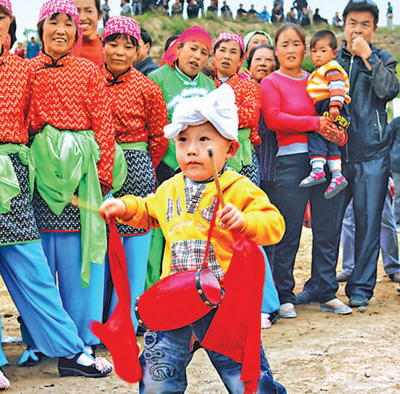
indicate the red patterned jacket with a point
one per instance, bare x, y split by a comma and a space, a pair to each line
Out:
14, 98
139, 111
70, 94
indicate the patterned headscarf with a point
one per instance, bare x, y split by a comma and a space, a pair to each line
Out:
218, 108
60, 7
195, 33
6, 4
122, 25
231, 37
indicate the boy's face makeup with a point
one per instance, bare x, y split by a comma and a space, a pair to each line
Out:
88, 16
192, 57
322, 53
119, 54
192, 155
227, 58
58, 35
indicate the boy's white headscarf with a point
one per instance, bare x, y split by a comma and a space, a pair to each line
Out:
218, 108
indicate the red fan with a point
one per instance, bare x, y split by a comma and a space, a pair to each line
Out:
118, 333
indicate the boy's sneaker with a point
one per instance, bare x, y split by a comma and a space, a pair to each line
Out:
336, 185
315, 178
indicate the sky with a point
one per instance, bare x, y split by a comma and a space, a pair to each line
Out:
27, 11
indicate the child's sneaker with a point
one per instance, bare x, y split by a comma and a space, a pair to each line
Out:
315, 178
336, 185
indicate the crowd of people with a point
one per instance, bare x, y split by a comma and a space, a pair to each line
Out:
298, 13
93, 123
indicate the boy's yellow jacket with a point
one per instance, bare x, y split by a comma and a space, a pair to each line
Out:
184, 213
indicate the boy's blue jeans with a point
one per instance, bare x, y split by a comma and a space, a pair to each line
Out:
167, 354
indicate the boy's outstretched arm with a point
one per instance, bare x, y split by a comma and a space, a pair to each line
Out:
112, 208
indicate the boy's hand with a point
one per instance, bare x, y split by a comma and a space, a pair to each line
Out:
230, 218
112, 208
334, 112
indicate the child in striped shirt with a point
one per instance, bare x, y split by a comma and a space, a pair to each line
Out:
328, 87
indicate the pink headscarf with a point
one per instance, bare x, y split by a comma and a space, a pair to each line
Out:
7, 5
122, 25
60, 7
231, 37
195, 33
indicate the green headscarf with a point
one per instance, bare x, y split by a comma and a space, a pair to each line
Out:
247, 39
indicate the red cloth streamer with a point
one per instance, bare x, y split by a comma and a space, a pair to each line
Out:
235, 330
195, 33
118, 333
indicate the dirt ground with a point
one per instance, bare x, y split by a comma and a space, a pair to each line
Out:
318, 352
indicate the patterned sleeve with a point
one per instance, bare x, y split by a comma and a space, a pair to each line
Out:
337, 90
249, 110
99, 108
157, 118
28, 95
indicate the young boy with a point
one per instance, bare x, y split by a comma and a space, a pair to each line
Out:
179, 76
182, 207
328, 87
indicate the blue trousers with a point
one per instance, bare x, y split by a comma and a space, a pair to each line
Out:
31, 285
63, 252
166, 355
3, 358
270, 302
367, 186
291, 200
137, 252
389, 240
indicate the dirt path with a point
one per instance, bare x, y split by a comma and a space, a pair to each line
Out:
317, 352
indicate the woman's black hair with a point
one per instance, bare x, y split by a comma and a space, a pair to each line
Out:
294, 27
98, 6
253, 51
115, 36
219, 43
361, 6
170, 40
53, 16
12, 31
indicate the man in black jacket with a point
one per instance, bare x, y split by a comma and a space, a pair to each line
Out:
144, 63
373, 82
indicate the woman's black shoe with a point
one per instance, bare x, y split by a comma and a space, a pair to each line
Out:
70, 367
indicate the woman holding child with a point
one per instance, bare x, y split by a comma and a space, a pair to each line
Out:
290, 112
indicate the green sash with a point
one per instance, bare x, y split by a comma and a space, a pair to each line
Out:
66, 161
244, 155
9, 185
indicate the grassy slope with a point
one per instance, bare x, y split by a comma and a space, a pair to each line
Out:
160, 27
